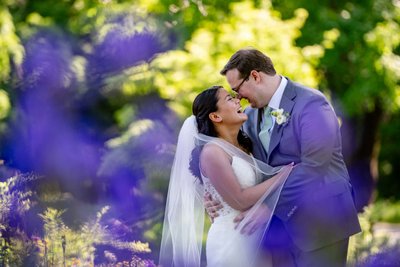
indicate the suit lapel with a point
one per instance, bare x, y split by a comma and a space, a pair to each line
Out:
286, 104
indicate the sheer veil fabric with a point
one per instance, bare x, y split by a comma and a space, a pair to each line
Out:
182, 235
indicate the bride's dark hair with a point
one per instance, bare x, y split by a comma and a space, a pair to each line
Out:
204, 104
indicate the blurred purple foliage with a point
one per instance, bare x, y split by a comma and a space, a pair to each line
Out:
119, 51
45, 138
386, 257
60, 132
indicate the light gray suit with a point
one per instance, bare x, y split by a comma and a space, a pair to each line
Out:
316, 207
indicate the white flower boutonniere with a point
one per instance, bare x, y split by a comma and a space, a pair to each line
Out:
281, 117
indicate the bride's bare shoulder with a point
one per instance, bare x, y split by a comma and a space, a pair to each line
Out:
212, 158
214, 152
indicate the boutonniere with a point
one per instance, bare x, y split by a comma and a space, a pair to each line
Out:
281, 116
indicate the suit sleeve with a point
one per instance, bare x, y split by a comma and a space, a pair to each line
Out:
317, 135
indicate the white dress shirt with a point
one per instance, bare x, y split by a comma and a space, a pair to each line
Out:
276, 99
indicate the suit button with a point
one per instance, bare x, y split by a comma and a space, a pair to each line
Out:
290, 213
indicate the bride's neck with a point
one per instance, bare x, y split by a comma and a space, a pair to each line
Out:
229, 135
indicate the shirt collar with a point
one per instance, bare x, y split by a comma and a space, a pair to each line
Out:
277, 96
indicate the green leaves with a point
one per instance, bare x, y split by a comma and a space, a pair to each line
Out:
179, 75
5, 104
11, 50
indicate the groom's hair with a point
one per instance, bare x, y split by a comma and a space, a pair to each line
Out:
204, 104
246, 60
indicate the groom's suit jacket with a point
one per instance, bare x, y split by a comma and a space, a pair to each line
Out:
316, 206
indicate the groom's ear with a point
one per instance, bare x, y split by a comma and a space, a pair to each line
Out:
214, 117
256, 75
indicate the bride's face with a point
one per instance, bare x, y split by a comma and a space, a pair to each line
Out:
229, 108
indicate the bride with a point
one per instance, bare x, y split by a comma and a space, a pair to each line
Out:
214, 156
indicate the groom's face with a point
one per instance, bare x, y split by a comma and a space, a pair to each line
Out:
242, 86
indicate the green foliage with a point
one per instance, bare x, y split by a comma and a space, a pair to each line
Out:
14, 197
385, 211
19, 251
389, 158
5, 104
79, 17
87, 24
54, 229
369, 242
365, 243
362, 64
87, 21
183, 18
14, 202
60, 242
78, 247
129, 83
11, 50
179, 75
129, 151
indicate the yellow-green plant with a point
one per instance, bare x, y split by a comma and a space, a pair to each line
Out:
14, 202
367, 243
63, 246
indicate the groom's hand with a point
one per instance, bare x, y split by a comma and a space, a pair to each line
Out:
258, 219
212, 206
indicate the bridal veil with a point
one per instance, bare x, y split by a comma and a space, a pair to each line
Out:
182, 235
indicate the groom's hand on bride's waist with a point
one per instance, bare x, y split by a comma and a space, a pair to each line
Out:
212, 206
254, 221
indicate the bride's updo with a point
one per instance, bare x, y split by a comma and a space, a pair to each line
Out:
204, 104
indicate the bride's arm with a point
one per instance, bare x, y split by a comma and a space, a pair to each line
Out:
216, 165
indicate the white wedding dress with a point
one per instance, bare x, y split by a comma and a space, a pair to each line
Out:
225, 246
181, 242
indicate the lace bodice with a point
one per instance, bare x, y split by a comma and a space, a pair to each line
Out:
246, 178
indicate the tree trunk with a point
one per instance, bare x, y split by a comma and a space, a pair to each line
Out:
362, 147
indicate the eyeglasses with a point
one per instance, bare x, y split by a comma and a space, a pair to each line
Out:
237, 88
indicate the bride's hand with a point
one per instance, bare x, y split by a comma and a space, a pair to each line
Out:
212, 206
258, 219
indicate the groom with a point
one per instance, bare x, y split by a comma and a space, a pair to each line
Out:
289, 122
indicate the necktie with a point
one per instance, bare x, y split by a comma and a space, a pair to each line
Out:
265, 133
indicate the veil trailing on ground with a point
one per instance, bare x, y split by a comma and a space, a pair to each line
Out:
182, 236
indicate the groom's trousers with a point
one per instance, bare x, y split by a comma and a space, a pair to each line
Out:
333, 255
286, 254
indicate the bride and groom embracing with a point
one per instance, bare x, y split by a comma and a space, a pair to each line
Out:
272, 177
